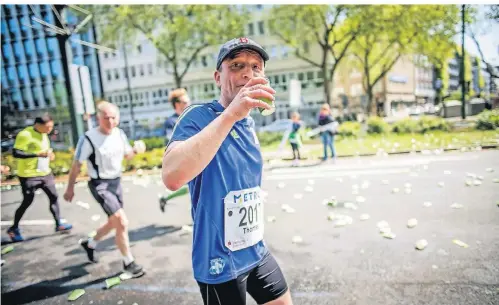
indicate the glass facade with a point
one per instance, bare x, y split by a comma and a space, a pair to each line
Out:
32, 76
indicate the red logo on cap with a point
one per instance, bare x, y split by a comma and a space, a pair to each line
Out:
243, 40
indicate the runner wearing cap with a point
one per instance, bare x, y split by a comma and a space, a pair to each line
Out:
33, 153
180, 101
104, 147
214, 148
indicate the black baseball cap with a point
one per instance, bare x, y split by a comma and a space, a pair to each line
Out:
237, 44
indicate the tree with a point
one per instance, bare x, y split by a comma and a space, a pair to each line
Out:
331, 28
179, 32
481, 80
481, 24
395, 31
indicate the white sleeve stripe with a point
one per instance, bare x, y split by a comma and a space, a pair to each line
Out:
182, 116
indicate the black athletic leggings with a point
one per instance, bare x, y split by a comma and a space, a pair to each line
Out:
29, 186
296, 151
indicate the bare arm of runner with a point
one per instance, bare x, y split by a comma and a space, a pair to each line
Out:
184, 160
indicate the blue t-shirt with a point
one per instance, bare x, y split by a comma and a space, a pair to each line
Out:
170, 124
235, 169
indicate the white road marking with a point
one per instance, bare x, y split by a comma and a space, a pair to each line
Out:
39, 222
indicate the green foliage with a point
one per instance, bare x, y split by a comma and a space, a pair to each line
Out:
427, 123
60, 165
180, 33
152, 143
327, 29
349, 129
391, 32
406, 125
422, 125
488, 120
269, 138
457, 96
147, 160
377, 125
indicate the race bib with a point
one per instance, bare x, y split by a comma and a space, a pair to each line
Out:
244, 223
43, 165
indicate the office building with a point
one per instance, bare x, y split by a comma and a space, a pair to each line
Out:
32, 77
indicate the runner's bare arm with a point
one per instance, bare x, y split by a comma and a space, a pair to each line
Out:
184, 160
73, 173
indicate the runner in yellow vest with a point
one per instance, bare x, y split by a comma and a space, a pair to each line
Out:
33, 153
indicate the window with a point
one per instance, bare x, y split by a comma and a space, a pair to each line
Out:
116, 74
88, 61
203, 60
24, 20
133, 71
13, 26
55, 66
139, 49
310, 75
300, 76
52, 46
160, 93
108, 75
251, 30
141, 70
261, 28
285, 51
17, 50
4, 27
33, 71
273, 51
149, 67
40, 47
7, 52
11, 73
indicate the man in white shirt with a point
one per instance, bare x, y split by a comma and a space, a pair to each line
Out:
104, 147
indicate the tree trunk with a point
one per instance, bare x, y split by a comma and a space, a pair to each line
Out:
369, 100
327, 86
178, 80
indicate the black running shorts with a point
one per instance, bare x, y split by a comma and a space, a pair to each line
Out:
264, 283
108, 193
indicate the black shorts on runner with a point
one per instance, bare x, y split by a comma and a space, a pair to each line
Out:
264, 283
30, 184
108, 193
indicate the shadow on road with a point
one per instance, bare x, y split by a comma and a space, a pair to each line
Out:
139, 234
49, 288
17, 202
8, 241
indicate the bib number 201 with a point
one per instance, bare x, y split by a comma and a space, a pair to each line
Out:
250, 215
243, 220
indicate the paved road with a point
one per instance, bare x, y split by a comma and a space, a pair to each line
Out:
353, 264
